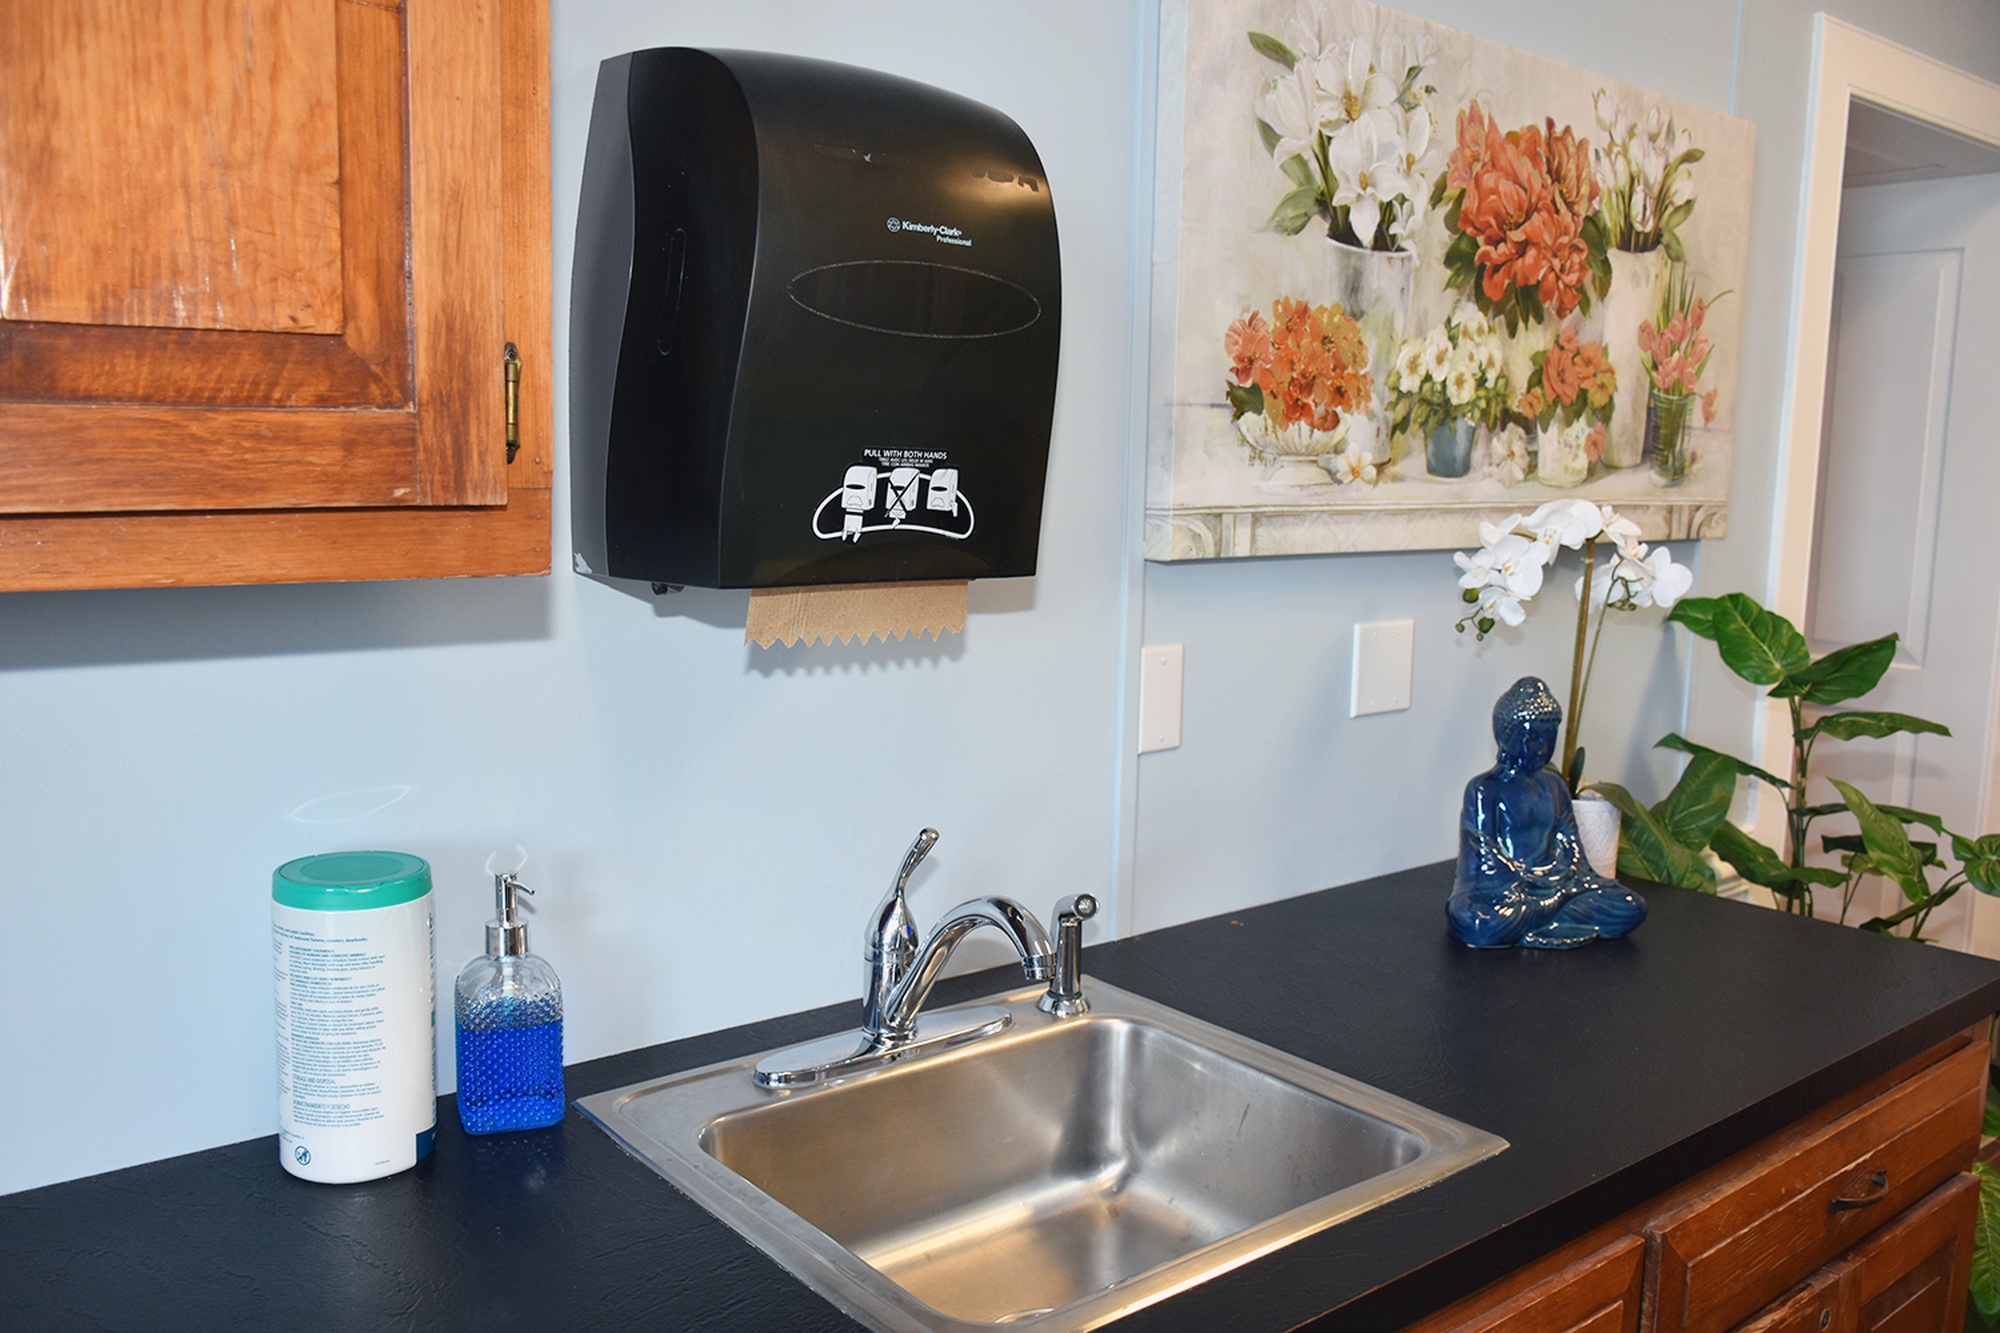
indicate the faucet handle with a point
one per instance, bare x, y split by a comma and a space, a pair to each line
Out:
1064, 997
926, 839
889, 946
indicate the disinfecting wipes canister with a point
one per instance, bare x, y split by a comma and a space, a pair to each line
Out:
352, 952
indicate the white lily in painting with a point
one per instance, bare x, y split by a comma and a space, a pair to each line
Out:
1366, 158
1353, 85
1423, 156
1291, 107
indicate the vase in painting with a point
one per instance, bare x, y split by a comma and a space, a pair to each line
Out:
1637, 282
1297, 448
1522, 346
1448, 451
1669, 423
1375, 288
1562, 456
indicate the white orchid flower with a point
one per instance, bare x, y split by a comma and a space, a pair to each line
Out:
1600, 584
1518, 564
1513, 562
1497, 603
1490, 533
1623, 533
1666, 583
1366, 159
1568, 523
1350, 83
1290, 106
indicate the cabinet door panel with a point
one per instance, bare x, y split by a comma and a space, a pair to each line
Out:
1911, 1276
372, 289
184, 175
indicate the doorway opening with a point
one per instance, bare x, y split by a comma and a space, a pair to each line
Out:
1885, 491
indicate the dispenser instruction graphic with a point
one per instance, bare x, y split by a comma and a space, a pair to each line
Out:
897, 490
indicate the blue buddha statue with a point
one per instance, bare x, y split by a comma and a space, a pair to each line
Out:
1522, 876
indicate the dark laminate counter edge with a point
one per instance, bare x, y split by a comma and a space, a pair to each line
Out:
1615, 1072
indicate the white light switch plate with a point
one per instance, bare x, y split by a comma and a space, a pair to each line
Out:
1160, 697
1382, 665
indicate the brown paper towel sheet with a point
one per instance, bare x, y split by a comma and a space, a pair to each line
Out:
843, 611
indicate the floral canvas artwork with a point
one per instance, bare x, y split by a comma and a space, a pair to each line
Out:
1408, 281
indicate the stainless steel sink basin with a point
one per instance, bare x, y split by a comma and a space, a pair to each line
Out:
1056, 1175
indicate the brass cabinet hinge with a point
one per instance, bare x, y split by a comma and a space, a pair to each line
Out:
512, 362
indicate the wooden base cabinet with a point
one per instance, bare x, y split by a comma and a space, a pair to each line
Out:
1858, 1217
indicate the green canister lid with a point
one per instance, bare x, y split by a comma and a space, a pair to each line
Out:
350, 881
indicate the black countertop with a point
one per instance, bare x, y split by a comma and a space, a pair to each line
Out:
1614, 1071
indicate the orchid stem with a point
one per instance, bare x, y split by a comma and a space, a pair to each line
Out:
1576, 667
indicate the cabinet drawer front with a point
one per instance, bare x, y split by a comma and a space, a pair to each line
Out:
1811, 1195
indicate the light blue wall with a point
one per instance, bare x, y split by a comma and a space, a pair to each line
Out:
710, 822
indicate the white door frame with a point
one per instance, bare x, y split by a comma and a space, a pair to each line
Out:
1848, 63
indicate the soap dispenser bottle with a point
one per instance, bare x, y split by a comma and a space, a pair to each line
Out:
509, 1006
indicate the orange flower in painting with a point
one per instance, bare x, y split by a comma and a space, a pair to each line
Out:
1309, 362
1573, 368
1570, 173
1572, 380
1524, 197
1248, 346
1474, 130
1560, 370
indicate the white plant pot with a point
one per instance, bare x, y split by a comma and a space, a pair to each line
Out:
1597, 822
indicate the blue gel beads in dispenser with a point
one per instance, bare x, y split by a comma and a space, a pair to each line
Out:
509, 1017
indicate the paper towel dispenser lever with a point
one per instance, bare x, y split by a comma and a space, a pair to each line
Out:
814, 327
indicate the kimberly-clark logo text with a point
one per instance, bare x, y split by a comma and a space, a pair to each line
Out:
942, 235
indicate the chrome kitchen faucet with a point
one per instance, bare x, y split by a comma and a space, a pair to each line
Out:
901, 972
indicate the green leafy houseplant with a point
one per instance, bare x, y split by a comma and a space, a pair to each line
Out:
1666, 841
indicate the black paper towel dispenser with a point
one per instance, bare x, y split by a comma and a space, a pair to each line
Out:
814, 327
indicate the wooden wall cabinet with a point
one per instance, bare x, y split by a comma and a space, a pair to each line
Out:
260, 264
1857, 1219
